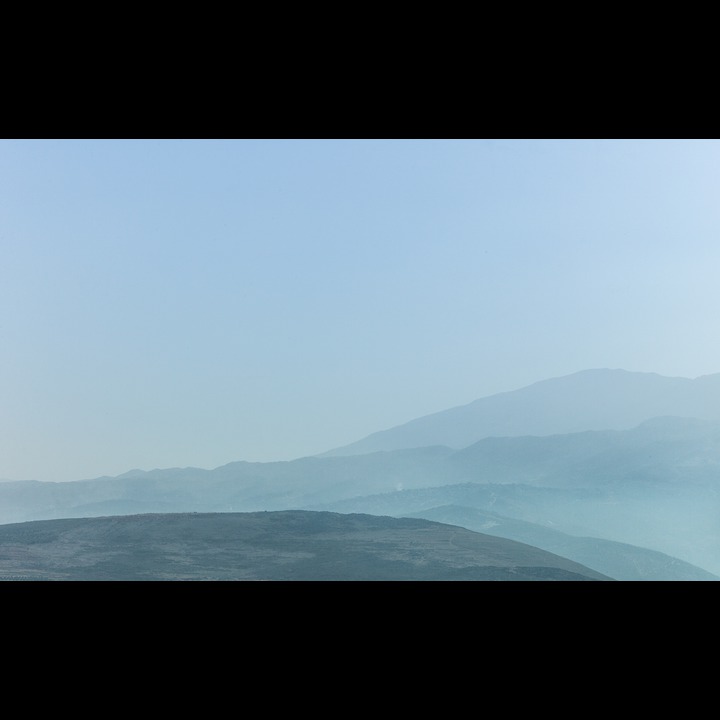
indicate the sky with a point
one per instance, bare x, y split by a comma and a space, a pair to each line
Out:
174, 303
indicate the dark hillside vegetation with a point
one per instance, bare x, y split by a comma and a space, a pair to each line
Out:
283, 546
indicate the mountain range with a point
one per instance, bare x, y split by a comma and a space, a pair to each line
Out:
600, 399
616, 470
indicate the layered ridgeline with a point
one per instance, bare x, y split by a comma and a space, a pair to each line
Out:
289, 545
540, 460
674, 456
656, 486
619, 560
587, 400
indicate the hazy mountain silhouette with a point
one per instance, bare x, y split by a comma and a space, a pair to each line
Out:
656, 486
659, 450
285, 545
599, 399
678, 521
618, 560
239, 486
664, 454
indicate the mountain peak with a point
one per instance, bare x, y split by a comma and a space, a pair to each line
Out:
592, 399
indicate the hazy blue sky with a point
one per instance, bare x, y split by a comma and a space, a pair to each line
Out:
173, 303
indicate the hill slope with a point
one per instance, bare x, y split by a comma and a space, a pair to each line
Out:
285, 545
683, 525
618, 560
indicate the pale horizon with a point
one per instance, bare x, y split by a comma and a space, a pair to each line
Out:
191, 303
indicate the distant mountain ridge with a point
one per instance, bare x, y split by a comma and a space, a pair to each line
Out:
659, 453
598, 399
654, 485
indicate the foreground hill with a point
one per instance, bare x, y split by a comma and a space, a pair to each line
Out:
284, 545
588, 400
